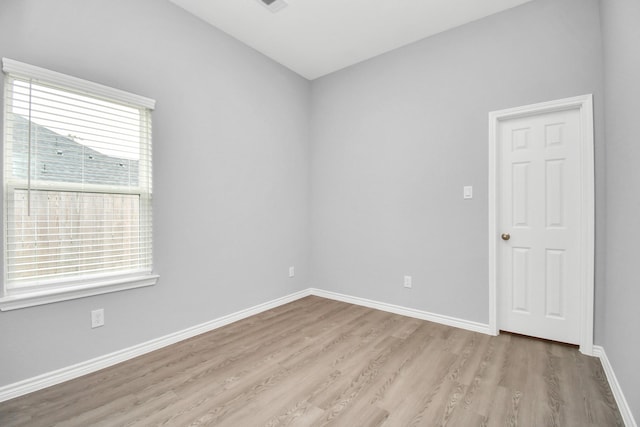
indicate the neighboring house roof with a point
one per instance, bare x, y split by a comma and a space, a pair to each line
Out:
55, 157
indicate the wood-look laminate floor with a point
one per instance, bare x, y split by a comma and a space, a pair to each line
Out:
317, 362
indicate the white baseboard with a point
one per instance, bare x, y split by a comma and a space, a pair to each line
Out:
623, 406
404, 311
48, 379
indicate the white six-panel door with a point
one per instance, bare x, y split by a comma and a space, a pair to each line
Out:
540, 220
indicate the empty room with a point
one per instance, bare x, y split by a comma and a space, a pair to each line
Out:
319, 212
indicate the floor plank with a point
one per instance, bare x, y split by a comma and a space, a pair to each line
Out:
318, 362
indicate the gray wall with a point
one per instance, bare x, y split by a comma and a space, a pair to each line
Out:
230, 162
621, 35
394, 140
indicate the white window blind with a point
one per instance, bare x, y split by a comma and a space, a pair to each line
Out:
77, 180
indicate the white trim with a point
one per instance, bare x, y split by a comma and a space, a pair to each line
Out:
48, 379
585, 106
82, 289
404, 311
31, 71
623, 406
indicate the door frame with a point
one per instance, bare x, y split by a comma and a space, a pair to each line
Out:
584, 105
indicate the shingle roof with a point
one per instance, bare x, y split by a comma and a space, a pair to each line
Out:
55, 157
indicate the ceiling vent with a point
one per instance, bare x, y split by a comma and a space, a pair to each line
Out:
273, 5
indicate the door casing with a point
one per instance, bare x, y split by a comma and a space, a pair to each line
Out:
584, 105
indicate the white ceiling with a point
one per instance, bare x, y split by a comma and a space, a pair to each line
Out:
317, 37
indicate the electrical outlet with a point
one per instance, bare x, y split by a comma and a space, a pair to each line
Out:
407, 281
292, 271
97, 318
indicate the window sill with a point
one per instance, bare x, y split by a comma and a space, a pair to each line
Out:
87, 289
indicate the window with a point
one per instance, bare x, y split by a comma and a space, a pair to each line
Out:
77, 188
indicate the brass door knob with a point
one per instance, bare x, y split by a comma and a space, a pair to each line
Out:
506, 236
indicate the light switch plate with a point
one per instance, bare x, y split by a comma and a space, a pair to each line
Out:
467, 192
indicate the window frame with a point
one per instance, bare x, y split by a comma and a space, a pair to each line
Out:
67, 288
